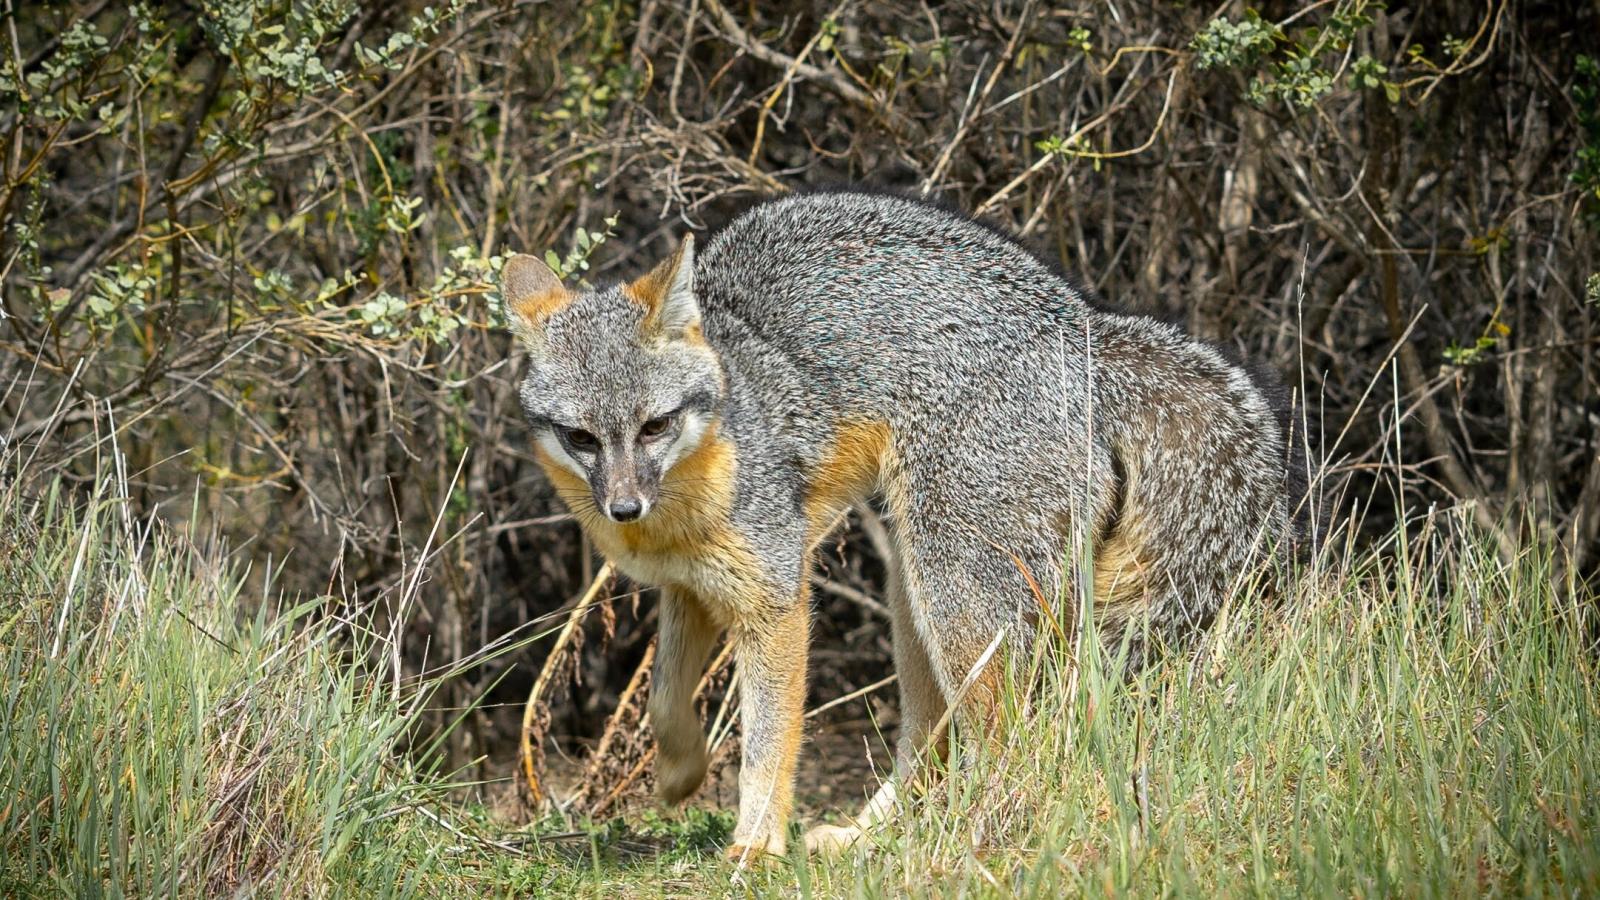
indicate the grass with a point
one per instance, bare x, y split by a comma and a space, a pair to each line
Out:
161, 735
1421, 722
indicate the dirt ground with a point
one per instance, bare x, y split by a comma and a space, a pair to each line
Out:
845, 753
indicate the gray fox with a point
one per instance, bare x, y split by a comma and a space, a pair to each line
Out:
709, 423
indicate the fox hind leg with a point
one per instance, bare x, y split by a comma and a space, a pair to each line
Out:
978, 586
922, 701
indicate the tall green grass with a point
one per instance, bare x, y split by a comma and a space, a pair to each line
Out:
1417, 721
160, 735
1422, 722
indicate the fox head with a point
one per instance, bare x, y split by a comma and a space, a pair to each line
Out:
621, 385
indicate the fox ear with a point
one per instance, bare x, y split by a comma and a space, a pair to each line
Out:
532, 293
667, 292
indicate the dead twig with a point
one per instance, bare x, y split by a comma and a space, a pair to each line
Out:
529, 755
832, 81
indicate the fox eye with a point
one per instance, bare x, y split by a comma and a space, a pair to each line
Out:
655, 427
581, 439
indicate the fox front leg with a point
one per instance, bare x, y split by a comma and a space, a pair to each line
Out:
771, 655
687, 635
922, 703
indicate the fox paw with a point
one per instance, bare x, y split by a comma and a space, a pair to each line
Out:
677, 778
750, 856
832, 840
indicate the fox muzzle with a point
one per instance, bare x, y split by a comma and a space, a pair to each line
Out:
621, 490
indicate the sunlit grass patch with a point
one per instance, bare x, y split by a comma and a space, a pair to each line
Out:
159, 734
1421, 728
1417, 721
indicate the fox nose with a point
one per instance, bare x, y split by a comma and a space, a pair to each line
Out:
626, 509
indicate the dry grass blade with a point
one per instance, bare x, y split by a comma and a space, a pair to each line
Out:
532, 735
